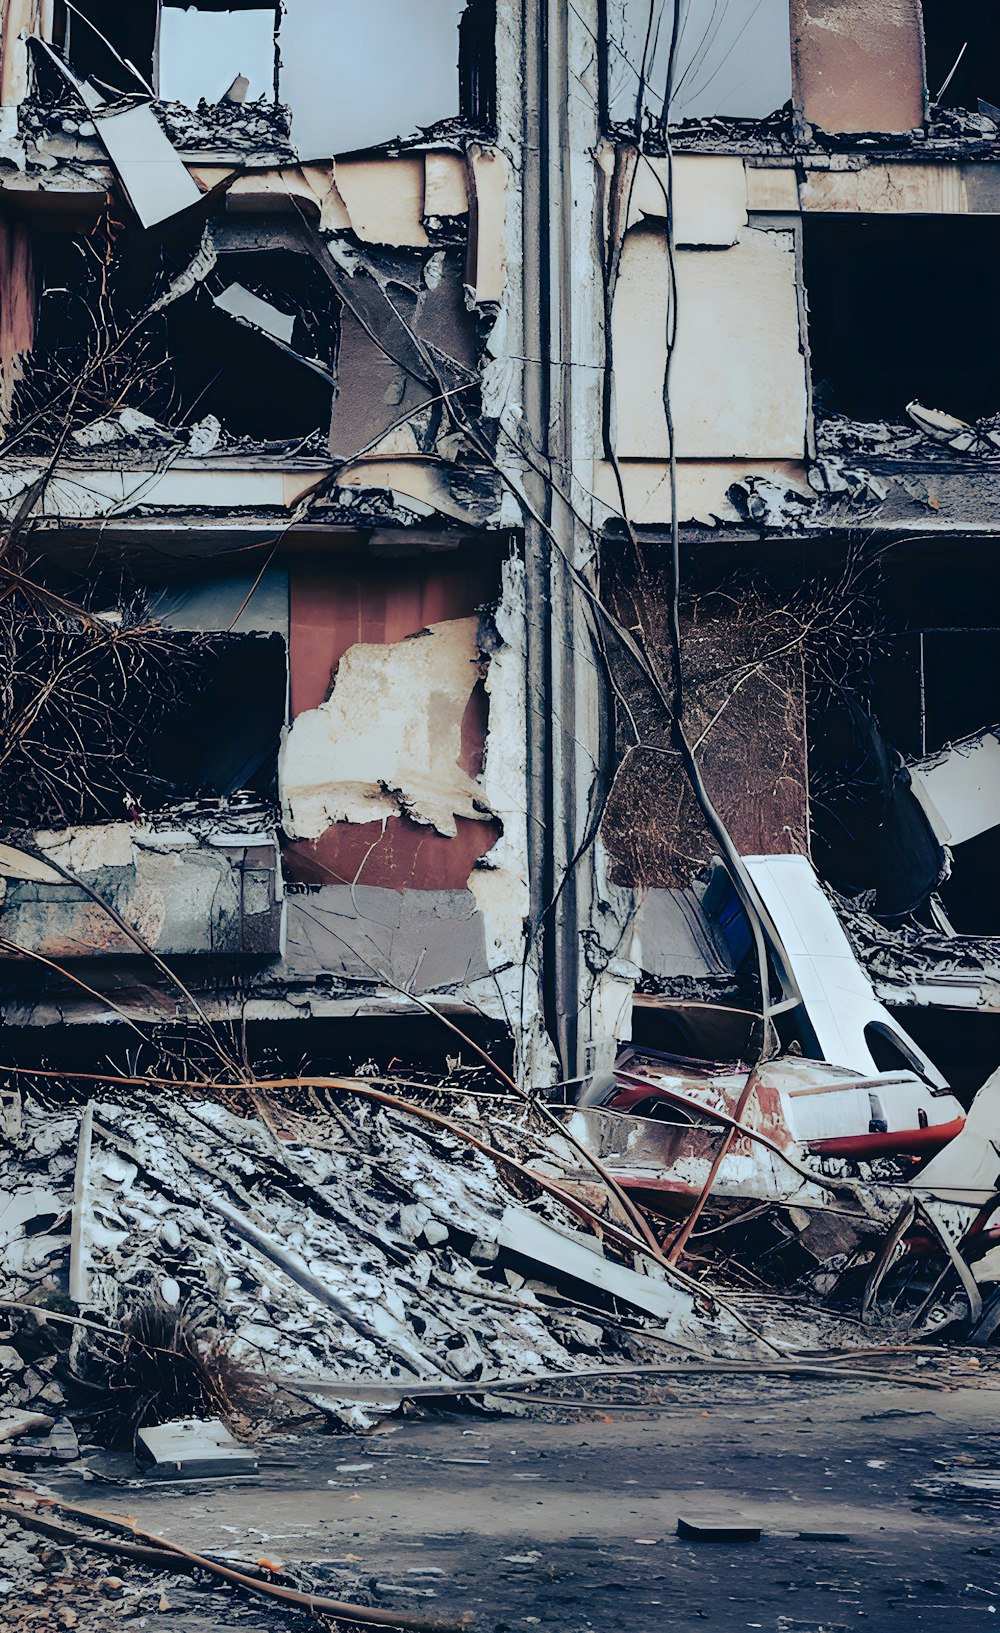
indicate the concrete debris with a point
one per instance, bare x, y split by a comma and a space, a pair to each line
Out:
303, 1279
929, 434
189, 1449
701, 1528
918, 965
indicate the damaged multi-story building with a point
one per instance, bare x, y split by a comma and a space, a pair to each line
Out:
499, 517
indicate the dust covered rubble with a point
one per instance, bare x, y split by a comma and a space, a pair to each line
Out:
365, 1247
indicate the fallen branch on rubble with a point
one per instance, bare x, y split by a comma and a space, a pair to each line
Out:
171, 1556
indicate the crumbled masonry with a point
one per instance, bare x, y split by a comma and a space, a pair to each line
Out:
499, 762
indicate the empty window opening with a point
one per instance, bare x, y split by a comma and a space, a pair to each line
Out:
254, 345
251, 345
971, 895
208, 54
732, 60
477, 73
962, 49
889, 324
357, 75
111, 725
353, 76
868, 832
224, 738
929, 688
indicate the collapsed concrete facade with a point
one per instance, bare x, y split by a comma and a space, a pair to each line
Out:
424, 555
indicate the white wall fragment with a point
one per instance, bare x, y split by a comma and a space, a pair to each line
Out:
709, 195
388, 740
157, 183
959, 788
737, 380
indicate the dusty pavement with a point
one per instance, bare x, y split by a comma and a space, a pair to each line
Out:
873, 1503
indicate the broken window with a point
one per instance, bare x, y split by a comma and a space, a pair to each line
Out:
223, 738
477, 72
108, 42
356, 75
731, 60
119, 716
208, 52
962, 50
352, 75
245, 350
902, 310
902, 762
253, 345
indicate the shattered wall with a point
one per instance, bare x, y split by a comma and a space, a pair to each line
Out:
287, 372
317, 400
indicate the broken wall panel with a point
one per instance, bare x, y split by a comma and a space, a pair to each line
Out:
182, 897
708, 195
737, 377
398, 346
858, 66
156, 183
422, 939
959, 788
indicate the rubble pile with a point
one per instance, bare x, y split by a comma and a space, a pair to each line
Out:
236, 127
346, 1248
926, 433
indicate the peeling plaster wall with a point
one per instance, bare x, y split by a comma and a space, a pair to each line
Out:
388, 740
709, 195
181, 897
858, 65
913, 187
738, 382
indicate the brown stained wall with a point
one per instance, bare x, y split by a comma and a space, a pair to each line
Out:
17, 308
752, 753
331, 609
858, 65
